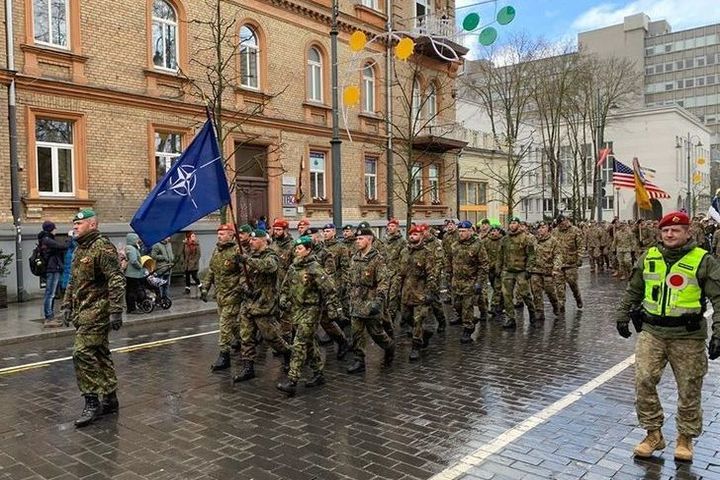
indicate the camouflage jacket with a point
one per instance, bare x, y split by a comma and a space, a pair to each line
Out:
367, 282
325, 258
418, 274
571, 245
648, 237
547, 256
470, 265
516, 253
449, 241
97, 285
492, 248
625, 240
394, 245
225, 274
283, 247
436, 246
262, 270
597, 237
306, 285
341, 255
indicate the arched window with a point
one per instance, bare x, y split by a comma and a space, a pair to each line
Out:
165, 35
368, 83
431, 102
416, 111
249, 58
315, 75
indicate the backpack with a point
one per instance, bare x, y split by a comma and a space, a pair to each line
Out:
37, 260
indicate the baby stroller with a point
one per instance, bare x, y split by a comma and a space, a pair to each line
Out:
151, 295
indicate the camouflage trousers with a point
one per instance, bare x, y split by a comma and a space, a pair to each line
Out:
421, 320
374, 328
305, 348
688, 359
496, 300
543, 284
332, 328
229, 325
624, 264
94, 367
464, 305
512, 282
569, 276
596, 259
269, 329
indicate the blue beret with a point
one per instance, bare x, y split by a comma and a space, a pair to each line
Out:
465, 224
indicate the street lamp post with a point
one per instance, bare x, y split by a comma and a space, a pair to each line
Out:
688, 196
335, 142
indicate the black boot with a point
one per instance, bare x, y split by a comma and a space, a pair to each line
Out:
317, 379
466, 336
389, 355
110, 403
578, 300
509, 323
531, 316
235, 345
288, 386
287, 356
91, 411
343, 349
427, 335
222, 362
247, 372
414, 354
442, 326
556, 308
358, 366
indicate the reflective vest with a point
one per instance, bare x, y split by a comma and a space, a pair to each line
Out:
675, 292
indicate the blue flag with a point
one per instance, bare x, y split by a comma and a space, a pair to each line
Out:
194, 187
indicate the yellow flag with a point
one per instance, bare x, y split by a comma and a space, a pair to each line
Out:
641, 195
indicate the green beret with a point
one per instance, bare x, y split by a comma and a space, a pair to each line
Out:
245, 229
348, 227
84, 214
257, 233
514, 219
305, 241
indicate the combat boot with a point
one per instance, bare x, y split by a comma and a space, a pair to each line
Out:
343, 349
427, 335
509, 323
358, 365
684, 448
288, 386
222, 362
235, 345
287, 355
653, 441
91, 411
389, 356
540, 317
247, 372
556, 308
110, 403
442, 326
466, 335
317, 379
414, 354
579, 303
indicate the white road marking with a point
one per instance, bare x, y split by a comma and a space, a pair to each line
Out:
482, 453
127, 348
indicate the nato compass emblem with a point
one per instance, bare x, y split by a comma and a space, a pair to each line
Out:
184, 181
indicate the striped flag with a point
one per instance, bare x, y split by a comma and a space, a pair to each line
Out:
624, 177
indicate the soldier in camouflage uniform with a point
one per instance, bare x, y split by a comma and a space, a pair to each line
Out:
436, 247
647, 236
394, 245
516, 254
571, 243
306, 290
342, 254
673, 282
483, 228
492, 247
93, 302
625, 243
282, 245
449, 239
597, 239
545, 266
368, 292
303, 227
258, 312
348, 239
228, 279
469, 265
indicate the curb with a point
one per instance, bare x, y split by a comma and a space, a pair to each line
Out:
129, 320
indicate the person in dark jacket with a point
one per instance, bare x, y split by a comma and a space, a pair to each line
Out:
191, 260
53, 253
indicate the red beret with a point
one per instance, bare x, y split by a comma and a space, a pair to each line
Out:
230, 227
415, 229
393, 221
424, 227
280, 223
304, 221
674, 218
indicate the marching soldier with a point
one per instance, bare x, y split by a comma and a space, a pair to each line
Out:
436, 247
93, 302
516, 253
342, 254
394, 245
570, 241
470, 266
282, 245
303, 227
625, 244
547, 263
492, 247
349, 237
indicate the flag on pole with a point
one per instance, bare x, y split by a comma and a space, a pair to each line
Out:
194, 187
298, 191
641, 194
624, 177
714, 209
602, 156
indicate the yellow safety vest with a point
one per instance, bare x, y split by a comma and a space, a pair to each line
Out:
675, 292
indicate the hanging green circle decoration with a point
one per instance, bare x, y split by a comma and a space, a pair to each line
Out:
506, 15
471, 22
487, 36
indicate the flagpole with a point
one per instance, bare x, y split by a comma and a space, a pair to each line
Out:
237, 238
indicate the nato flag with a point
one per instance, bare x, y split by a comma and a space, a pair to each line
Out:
194, 187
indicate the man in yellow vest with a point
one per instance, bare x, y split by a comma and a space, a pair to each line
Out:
666, 298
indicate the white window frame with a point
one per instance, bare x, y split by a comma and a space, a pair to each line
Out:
249, 48
317, 176
416, 107
55, 147
420, 18
315, 76
434, 183
50, 18
167, 158
368, 80
165, 25
374, 4
431, 105
371, 191
416, 182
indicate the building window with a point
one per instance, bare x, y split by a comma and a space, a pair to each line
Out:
371, 4
434, 183
416, 182
167, 150
431, 104
315, 75
422, 8
689, 83
371, 178
415, 109
317, 175
50, 22
164, 34
473, 193
249, 58
54, 149
369, 89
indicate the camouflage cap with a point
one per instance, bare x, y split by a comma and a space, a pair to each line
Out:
84, 214
245, 228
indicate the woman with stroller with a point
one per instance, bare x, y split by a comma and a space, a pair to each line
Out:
190, 260
134, 273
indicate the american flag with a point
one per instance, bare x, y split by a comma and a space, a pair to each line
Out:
624, 177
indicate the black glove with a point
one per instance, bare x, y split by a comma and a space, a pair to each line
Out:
116, 321
478, 288
374, 308
240, 258
623, 329
203, 295
714, 348
430, 299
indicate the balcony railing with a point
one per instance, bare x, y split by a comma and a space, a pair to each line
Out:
436, 25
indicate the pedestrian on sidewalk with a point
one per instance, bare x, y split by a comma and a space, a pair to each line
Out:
94, 304
53, 252
673, 283
190, 260
134, 272
162, 253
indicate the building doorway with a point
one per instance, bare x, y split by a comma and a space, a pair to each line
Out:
251, 183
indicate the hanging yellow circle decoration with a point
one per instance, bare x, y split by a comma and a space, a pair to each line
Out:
701, 161
697, 177
358, 40
404, 49
351, 96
